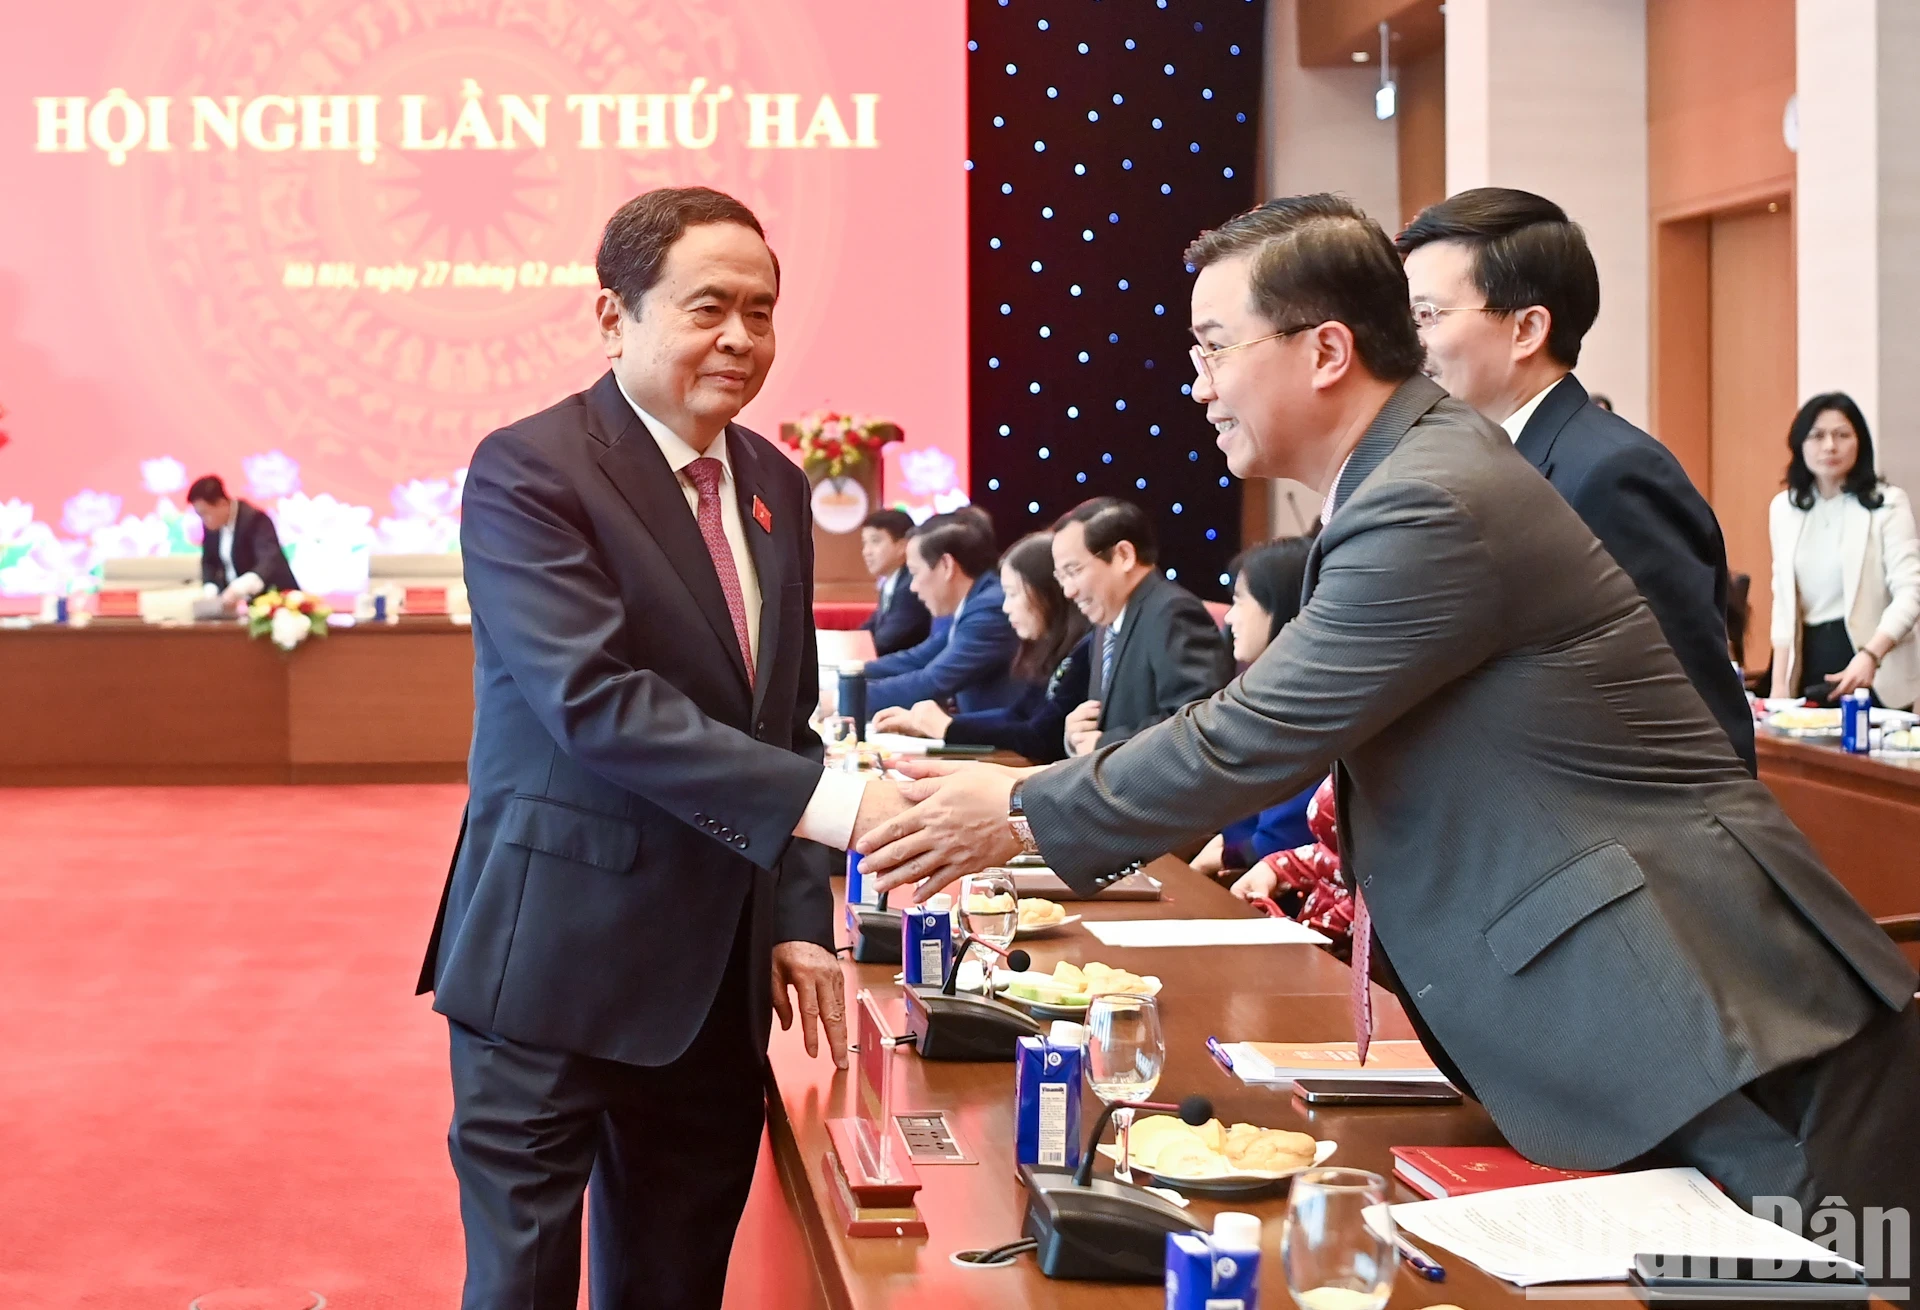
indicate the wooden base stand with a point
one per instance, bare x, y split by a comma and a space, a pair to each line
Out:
869, 1206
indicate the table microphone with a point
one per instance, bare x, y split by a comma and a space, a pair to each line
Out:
947, 1026
1193, 1110
1018, 961
1088, 1228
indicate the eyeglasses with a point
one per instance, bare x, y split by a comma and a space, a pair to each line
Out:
1203, 358
1426, 314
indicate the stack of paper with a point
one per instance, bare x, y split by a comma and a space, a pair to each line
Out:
1276, 1062
1204, 932
1589, 1230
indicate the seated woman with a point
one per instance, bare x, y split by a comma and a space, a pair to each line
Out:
1266, 596
1846, 566
1052, 642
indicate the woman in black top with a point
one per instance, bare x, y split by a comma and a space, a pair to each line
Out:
1054, 659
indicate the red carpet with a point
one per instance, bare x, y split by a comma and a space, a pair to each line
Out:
213, 1072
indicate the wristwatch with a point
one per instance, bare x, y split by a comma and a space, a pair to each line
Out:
1017, 820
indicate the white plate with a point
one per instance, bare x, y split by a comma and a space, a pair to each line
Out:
1057, 1009
1044, 929
1252, 1180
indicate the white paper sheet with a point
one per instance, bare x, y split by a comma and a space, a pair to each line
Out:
1204, 932
898, 743
1589, 1230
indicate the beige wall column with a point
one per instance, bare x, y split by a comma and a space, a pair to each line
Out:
1551, 96
1857, 203
1320, 135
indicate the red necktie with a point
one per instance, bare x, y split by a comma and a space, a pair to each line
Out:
705, 474
1362, 997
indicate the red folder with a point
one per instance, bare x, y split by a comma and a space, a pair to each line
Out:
1437, 1171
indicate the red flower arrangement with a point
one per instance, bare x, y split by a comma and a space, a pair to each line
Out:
832, 445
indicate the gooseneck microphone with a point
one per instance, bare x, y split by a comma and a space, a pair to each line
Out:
1193, 1110
1018, 961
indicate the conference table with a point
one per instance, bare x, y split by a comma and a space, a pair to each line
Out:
1270, 993
126, 703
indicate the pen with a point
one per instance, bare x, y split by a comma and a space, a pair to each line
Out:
1423, 1264
1219, 1052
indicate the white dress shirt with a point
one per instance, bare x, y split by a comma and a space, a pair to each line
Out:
1516, 422
829, 816
1817, 562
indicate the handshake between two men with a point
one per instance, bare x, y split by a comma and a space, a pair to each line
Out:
949, 820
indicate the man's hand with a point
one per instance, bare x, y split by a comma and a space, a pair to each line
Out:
957, 826
814, 975
1083, 728
925, 719
882, 800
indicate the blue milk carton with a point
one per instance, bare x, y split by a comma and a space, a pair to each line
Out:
926, 942
1046, 1092
862, 894
1189, 1271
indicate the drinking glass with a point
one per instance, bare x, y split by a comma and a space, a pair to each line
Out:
990, 910
1125, 1053
837, 732
1334, 1259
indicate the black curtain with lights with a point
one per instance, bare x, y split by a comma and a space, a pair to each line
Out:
1105, 135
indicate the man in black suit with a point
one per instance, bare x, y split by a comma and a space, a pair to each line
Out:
240, 554
899, 619
638, 874
1155, 646
1503, 289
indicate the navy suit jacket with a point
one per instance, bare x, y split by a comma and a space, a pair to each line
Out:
1035, 725
256, 549
969, 661
902, 623
1632, 494
632, 794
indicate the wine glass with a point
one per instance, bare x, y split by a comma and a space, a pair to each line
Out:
1125, 1053
990, 910
1335, 1260
838, 733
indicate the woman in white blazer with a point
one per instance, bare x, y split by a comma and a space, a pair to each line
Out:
1846, 565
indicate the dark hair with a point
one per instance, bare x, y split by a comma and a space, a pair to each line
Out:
896, 523
1109, 521
209, 490
1275, 573
959, 535
1863, 480
978, 513
1526, 251
633, 249
1319, 259
1064, 625
1603, 400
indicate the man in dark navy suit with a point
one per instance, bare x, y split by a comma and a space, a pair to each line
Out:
240, 553
1504, 288
644, 864
899, 619
968, 659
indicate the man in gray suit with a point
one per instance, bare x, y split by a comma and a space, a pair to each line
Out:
1599, 921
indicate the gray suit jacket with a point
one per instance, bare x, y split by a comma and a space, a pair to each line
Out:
1604, 922
1169, 652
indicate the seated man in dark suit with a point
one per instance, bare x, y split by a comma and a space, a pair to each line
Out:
968, 661
899, 620
240, 554
1503, 289
1156, 647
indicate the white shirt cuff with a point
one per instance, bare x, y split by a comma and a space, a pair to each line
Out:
829, 816
249, 585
